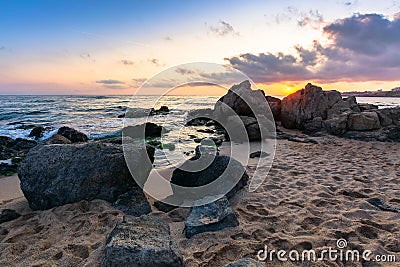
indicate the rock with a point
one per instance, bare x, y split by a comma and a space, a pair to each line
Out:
147, 129
143, 241
8, 215
259, 154
163, 110
337, 125
251, 125
164, 207
390, 133
8, 169
214, 216
346, 105
314, 125
275, 104
3, 231
367, 107
212, 172
240, 98
54, 175
199, 117
388, 116
73, 135
10, 148
57, 139
37, 132
307, 104
133, 202
245, 262
364, 121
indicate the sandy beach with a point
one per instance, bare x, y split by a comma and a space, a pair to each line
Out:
312, 196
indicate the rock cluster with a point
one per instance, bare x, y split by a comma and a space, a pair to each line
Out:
312, 109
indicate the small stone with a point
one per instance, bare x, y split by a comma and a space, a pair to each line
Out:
214, 216
8, 215
259, 154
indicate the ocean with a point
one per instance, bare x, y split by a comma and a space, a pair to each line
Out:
97, 116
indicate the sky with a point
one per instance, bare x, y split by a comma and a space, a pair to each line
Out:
112, 47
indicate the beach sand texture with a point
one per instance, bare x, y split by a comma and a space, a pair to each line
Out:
313, 195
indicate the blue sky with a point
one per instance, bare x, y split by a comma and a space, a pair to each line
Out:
69, 46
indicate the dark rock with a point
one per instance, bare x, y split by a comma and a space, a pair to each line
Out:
10, 148
210, 131
388, 116
147, 129
380, 204
3, 231
242, 100
8, 169
275, 104
163, 110
37, 132
54, 175
307, 104
121, 116
214, 216
143, 241
367, 107
164, 207
206, 148
8, 215
337, 124
57, 139
251, 125
259, 154
386, 134
212, 172
314, 125
73, 135
364, 121
133, 202
245, 262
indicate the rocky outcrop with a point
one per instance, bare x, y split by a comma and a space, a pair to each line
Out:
133, 202
314, 110
54, 175
252, 108
214, 216
143, 241
306, 104
73, 135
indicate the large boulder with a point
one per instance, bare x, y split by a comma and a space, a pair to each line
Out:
211, 217
73, 135
306, 104
242, 99
346, 105
143, 241
54, 175
364, 121
147, 129
219, 165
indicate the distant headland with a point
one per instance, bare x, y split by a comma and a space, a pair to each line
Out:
395, 92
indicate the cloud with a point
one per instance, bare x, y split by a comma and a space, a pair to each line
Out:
223, 29
110, 81
137, 82
312, 18
156, 62
2, 47
127, 62
168, 38
87, 56
184, 71
362, 47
